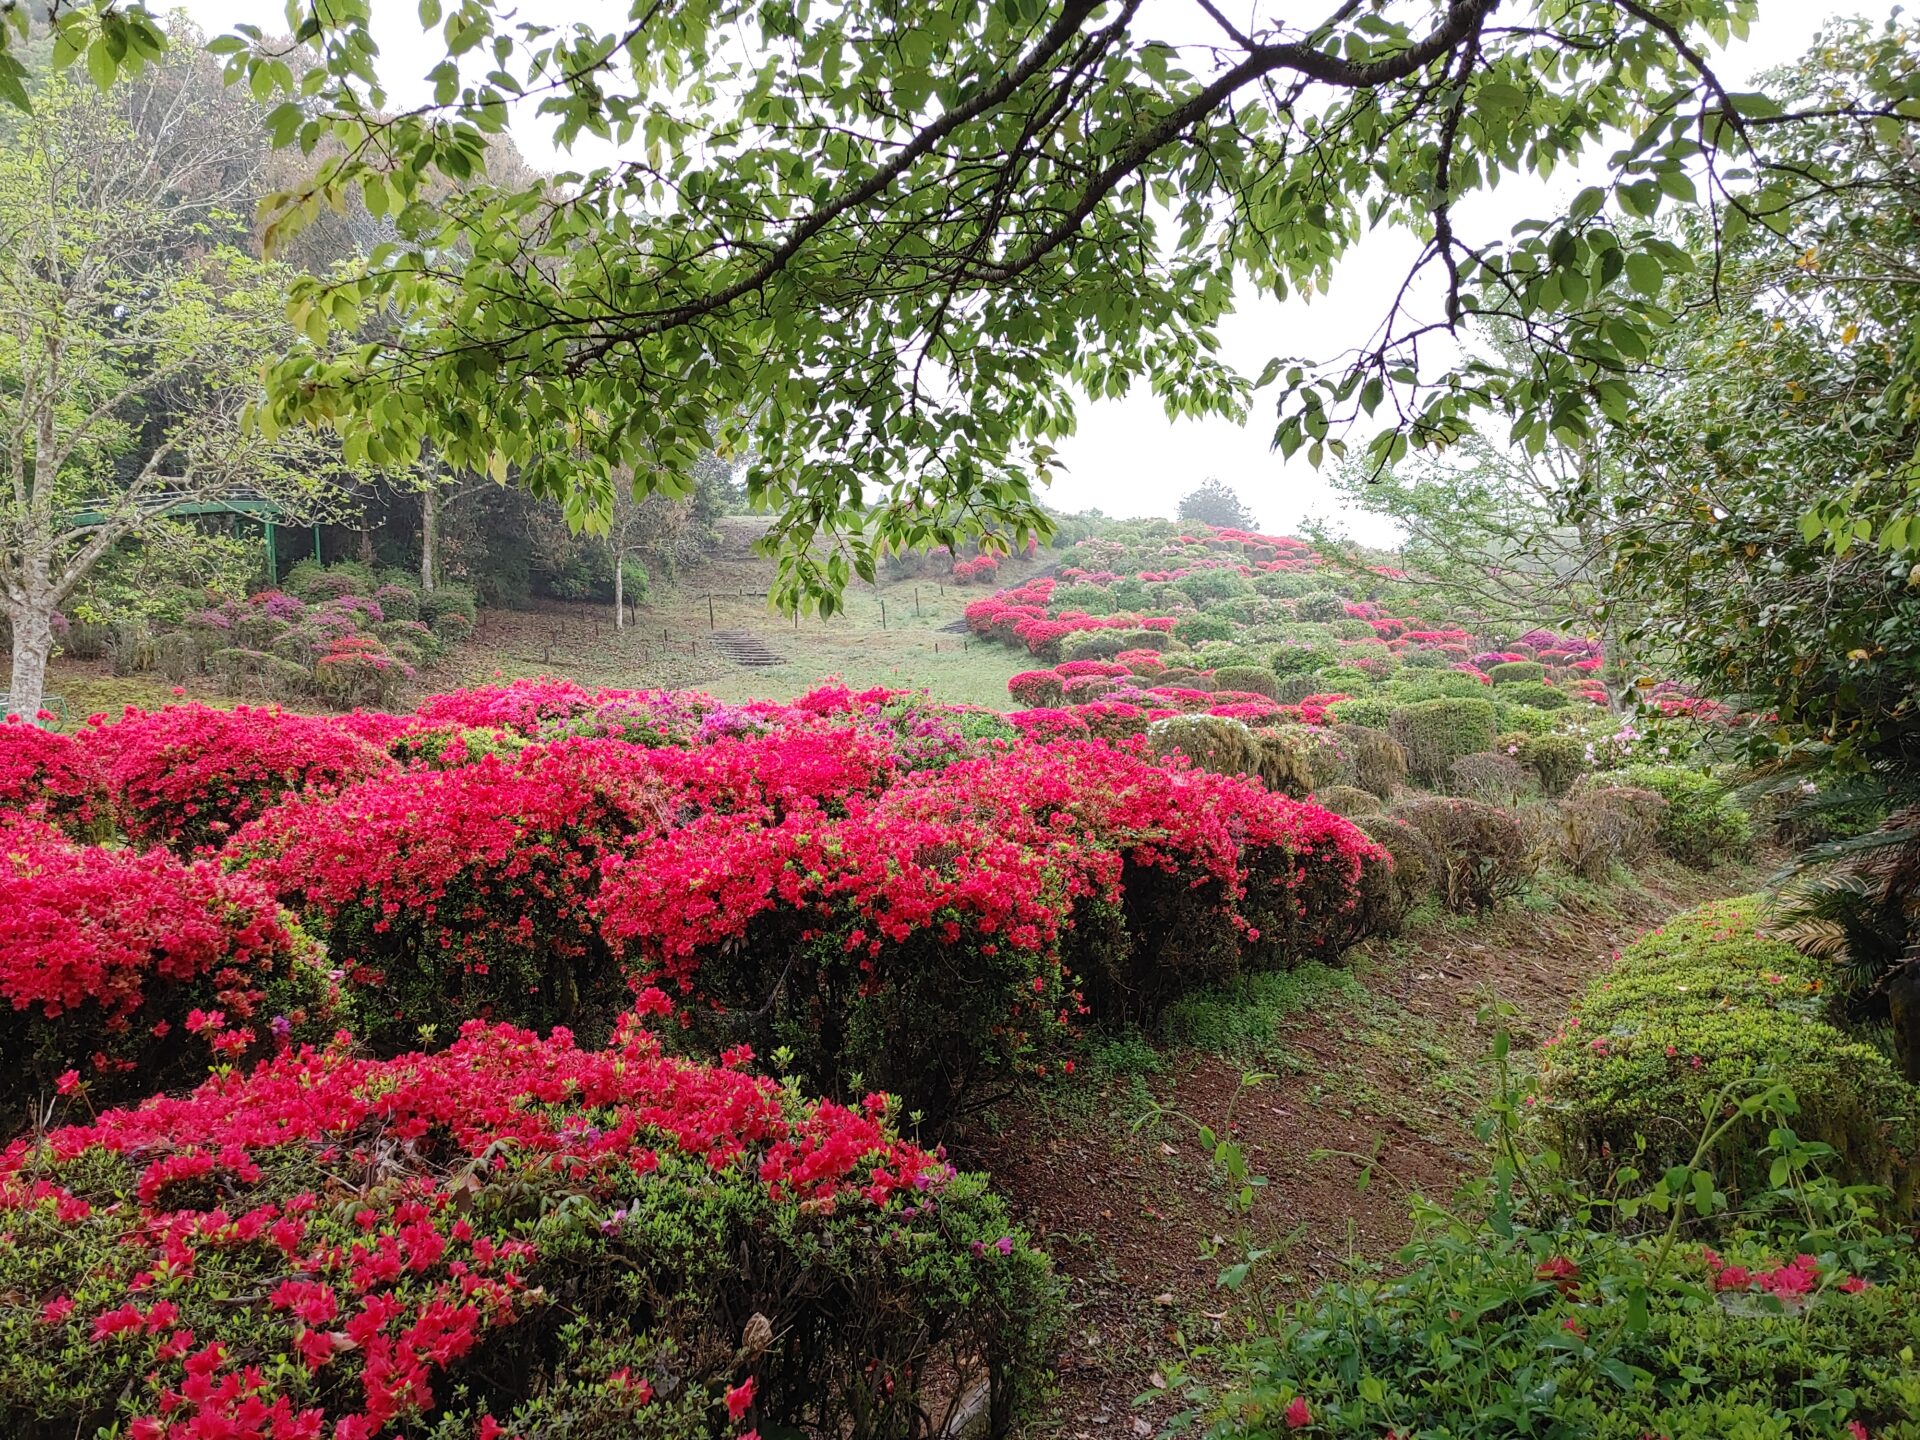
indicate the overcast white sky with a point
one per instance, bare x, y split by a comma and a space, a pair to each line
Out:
1127, 457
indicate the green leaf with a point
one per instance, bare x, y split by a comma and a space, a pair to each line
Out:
1644, 273
101, 68
12, 91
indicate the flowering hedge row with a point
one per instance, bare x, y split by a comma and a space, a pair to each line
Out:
917, 896
513, 1236
954, 930
127, 972
457, 893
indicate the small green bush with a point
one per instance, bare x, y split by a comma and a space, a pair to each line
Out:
1390, 894
1435, 733
1286, 762
1292, 689
1321, 606
1596, 829
1703, 823
1351, 629
1348, 800
1093, 599
1300, 657
1438, 685
1491, 778
1279, 585
1481, 850
452, 627
1209, 742
447, 600
1190, 679
1094, 645
1194, 629
1348, 678
1555, 760
1238, 608
1702, 1003
1365, 710
1156, 640
312, 581
1252, 679
1222, 584
1535, 693
1379, 761
1509, 671
1521, 717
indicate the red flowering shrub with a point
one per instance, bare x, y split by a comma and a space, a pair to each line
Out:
47, 776
187, 776
833, 767
134, 971
930, 941
520, 705
457, 893
1031, 688
512, 1236
917, 952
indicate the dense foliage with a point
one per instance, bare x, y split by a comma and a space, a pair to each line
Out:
1543, 1318
1702, 1003
130, 972
186, 776
510, 1236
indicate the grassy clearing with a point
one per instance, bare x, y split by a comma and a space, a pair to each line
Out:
894, 633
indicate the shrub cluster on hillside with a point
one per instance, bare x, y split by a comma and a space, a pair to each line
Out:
1249, 654
411, 1215
346, 635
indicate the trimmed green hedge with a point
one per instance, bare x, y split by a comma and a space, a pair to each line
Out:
1703, 822
1251, 679
1536, 693
1435, 733
1555, 760
1701, 1003
1366, 710
1509, 671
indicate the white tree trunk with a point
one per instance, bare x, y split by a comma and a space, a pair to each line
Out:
429, 536
32, 620
619, 594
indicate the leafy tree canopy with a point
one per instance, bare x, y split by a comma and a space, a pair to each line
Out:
1760, 500
902, 238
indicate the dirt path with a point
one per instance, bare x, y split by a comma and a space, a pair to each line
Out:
1382, 1080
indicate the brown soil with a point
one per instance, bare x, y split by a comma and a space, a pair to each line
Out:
1376, 1103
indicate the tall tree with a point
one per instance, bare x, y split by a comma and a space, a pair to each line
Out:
131, 336
1488, 526
1764, 482
1213, 502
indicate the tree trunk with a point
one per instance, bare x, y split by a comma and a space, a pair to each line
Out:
429, 536
32, 648
1903, 1000
619, 594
